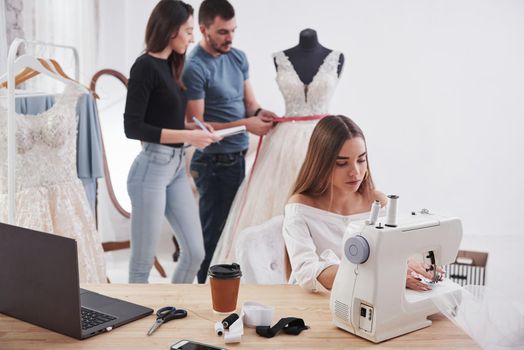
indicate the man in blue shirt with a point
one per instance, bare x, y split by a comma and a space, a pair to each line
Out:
219, 92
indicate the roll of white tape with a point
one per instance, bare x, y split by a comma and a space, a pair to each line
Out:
252, 314
256, 314
232, 337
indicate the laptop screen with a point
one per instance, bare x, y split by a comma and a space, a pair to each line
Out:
39, 274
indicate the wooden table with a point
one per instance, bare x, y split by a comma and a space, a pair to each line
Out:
288, 301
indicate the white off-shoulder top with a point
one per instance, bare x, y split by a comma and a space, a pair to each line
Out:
313, 240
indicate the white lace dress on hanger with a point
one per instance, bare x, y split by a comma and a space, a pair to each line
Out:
49, 195
282, 152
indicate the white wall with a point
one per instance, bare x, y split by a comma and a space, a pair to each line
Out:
437, 87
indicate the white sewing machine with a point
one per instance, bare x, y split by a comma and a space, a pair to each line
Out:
369, 296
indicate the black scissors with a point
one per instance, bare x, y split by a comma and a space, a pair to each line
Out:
166, 314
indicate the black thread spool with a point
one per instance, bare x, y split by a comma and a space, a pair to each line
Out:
229, 320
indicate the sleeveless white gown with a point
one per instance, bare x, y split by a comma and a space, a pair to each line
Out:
49, 195
282, 153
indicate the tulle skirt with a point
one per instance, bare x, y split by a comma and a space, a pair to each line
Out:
62, 209
267, 188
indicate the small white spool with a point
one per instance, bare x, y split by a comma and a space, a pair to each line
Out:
373, 214
391, 219
219, 328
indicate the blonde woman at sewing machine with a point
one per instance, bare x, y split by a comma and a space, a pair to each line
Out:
334, 187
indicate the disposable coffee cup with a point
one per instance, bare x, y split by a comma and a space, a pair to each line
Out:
224, 280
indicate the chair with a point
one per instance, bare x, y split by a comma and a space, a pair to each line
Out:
117, 245
261, 253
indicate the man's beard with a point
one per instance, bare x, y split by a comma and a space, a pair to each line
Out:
217, 47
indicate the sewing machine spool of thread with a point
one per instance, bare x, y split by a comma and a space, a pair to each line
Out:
373, 214
391, 218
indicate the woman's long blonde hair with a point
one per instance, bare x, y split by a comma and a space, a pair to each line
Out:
328, 137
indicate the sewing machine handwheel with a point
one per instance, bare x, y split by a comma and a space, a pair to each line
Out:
356, 249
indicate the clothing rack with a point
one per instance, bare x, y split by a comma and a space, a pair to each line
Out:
13, 67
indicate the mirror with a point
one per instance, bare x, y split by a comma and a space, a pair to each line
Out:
120, 151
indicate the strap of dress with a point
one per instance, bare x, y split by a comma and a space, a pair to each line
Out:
330, 65
281, 60
71, 94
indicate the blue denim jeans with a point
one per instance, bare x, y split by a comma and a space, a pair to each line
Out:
158, 185
217, 177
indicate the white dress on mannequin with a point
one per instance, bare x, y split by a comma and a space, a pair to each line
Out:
49, 195
283, 150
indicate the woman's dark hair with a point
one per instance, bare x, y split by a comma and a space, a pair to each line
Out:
209, 9
326, 141
164, 22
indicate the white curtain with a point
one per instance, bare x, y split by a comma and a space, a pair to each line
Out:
3, 38
64, 22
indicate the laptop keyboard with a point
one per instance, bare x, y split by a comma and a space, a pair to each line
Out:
91, 318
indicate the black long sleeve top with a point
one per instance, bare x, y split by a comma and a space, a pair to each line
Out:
154, 100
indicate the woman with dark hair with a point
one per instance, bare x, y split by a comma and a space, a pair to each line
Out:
155, 114
333, 187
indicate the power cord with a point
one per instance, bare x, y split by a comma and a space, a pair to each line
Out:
355, 271
200, 316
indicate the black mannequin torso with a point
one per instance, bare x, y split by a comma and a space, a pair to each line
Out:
308, 56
